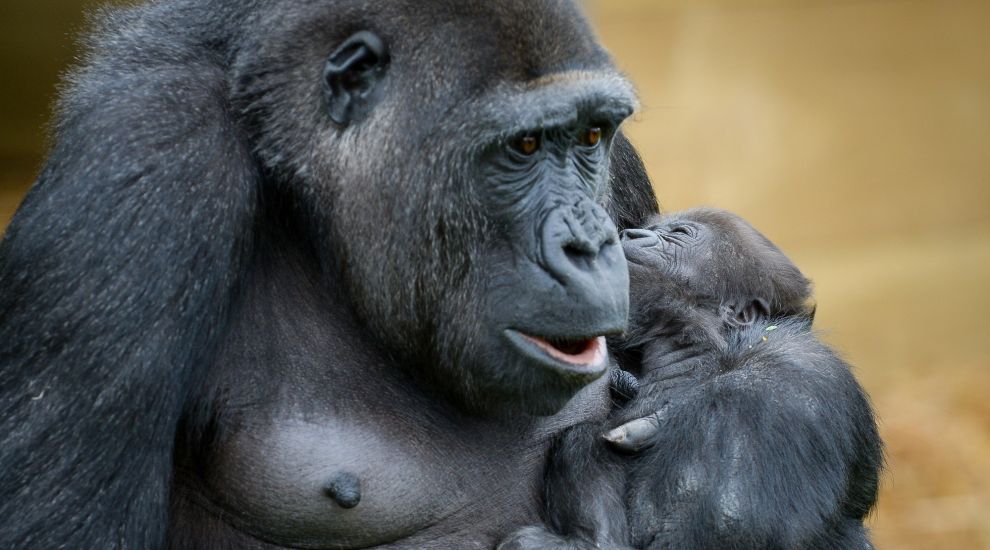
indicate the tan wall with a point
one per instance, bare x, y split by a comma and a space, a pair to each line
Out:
855, 133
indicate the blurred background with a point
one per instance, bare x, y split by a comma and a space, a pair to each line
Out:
854, 133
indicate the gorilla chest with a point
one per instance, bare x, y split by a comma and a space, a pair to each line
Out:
328, 444
380, 480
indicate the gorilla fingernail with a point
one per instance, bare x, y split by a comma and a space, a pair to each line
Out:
635, 435
345, 489
616, 436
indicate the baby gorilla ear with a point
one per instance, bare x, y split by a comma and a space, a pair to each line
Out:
748, 313
352, 75
809, 309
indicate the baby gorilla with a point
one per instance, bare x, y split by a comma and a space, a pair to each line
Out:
720, 340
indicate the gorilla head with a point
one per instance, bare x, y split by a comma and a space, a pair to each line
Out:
689, 268
453, 158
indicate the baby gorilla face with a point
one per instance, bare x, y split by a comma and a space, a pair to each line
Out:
714, 260
678, 251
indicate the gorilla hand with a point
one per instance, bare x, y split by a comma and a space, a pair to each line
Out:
636, 435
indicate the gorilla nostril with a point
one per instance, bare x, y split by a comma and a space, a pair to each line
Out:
578, 254
576, 249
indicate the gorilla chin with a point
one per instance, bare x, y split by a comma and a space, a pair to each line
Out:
536, 366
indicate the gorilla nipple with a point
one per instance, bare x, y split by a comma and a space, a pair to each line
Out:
344, 488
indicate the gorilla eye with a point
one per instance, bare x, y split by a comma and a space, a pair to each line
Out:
592, 136
527, 144
681, 230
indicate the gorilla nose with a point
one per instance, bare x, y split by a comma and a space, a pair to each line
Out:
640, 237
581, 248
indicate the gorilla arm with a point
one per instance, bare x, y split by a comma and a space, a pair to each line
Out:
777, 449
115, 278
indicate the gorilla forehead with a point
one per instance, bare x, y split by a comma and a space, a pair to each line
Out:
516, 40
476, 42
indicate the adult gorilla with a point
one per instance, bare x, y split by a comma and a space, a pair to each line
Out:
307, 272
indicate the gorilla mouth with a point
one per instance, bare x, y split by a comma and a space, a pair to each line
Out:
587, 354
576, 351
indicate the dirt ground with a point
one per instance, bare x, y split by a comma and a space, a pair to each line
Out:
854, 133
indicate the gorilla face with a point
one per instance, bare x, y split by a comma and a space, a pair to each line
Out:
557, 280
678, 250
455, 178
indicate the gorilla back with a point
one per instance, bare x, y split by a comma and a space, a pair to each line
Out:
313, 273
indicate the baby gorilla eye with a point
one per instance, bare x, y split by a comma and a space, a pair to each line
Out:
526, 144
592, 136
681, 233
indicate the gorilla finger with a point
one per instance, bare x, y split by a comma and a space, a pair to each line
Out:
623, 385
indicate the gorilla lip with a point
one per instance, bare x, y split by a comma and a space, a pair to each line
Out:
586, 353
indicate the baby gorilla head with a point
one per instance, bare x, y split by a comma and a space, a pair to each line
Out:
708, 270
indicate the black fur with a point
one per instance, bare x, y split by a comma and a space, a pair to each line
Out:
761, 444
632, 201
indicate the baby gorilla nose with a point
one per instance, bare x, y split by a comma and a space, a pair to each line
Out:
641, 237
344, 488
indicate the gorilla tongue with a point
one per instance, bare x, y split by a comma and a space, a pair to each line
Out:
588, 352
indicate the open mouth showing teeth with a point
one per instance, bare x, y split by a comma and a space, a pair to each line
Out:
583, 353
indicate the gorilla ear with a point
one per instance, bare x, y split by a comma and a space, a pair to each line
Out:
749, 313
351, 77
